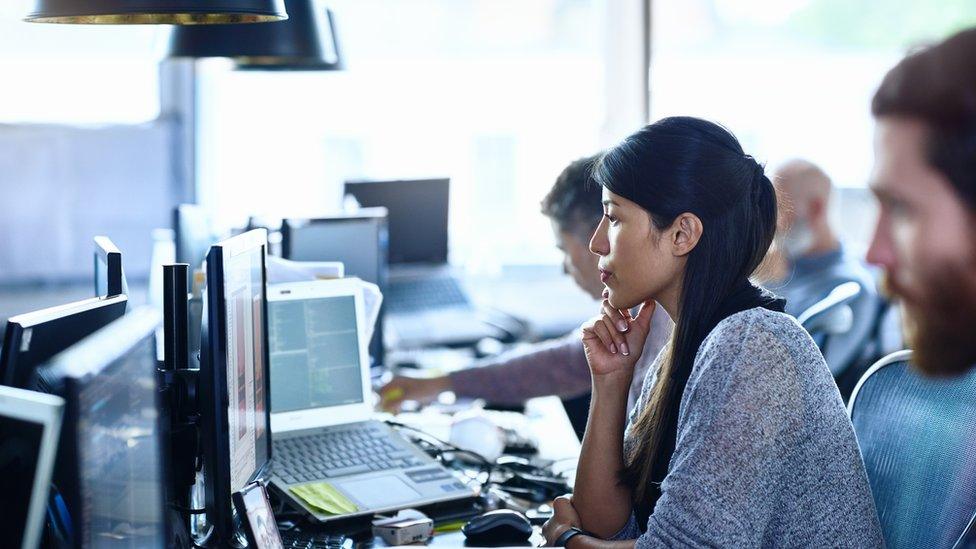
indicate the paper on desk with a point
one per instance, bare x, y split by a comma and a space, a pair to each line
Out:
284, 270
323, 497
372, 300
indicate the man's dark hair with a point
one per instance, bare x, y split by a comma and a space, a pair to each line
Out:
937, 85
574, 202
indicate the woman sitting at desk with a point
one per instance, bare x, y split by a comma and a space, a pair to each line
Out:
739, 438
555, 367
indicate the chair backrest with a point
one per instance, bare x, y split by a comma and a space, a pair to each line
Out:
918, 439
831, 314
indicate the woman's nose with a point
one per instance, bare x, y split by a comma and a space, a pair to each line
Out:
599, 244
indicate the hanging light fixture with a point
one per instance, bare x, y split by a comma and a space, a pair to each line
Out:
166, 12
306, 41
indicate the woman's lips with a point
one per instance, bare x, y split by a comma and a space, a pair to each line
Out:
605, 275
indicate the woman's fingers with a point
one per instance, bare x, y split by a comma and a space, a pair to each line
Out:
620, 322
600, 330
563, 516
619, 340
644, 314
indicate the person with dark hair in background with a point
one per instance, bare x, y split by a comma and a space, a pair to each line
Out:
739, 438
925, 181
813, 262
555, 367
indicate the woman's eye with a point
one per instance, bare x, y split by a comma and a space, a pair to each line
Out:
610, 218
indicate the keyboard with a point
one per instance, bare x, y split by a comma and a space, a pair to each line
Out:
339, 452
306, 540
408, 296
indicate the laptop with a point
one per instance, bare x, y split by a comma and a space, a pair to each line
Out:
425, 304
321, 409
356, 240
29, 426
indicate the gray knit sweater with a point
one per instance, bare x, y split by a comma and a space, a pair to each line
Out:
765, 454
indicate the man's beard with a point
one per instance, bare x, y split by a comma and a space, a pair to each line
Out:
940, 324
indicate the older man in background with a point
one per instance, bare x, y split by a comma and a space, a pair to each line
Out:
813, 261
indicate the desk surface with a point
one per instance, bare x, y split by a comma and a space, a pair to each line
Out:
546, 421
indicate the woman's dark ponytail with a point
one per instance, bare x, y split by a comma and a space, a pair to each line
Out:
674, 166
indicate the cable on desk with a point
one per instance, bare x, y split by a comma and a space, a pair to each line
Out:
488, 466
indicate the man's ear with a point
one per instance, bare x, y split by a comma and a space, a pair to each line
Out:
686, 231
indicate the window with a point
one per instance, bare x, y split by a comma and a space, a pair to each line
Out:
790, 77
76, 74
499, 95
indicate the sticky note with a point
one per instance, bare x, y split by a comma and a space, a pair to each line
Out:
323, 497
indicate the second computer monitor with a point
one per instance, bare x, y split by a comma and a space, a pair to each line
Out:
234, 374
110, 468
31, 339
358, 240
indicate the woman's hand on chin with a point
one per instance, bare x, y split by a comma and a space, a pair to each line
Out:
613, 341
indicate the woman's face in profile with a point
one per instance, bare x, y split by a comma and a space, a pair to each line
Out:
636, 262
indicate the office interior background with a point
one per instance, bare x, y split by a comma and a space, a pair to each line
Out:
100, 133
104, 131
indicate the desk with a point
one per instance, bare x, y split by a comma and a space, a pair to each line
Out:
547, 423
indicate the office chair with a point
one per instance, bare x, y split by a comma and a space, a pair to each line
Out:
832, 314
830, 317
918, 439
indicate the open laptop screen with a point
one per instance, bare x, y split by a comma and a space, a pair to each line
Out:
314, 349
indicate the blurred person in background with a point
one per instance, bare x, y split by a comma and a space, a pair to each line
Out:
556, 367
810, 261
925, 181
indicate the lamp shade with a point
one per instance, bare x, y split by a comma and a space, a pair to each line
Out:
306, 41
169, 12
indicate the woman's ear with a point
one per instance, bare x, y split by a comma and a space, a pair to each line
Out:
686, 231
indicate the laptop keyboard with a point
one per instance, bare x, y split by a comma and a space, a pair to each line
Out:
408, 296
337, 453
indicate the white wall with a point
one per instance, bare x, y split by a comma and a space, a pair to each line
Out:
62, 185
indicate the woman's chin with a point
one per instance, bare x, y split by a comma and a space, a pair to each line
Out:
619, 301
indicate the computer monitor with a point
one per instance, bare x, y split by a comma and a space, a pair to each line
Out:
193, 235
234, 376
111, 470
109, 275
358, 240
31, 339
30, 423
418, 211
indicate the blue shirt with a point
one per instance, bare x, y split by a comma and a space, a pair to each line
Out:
811, 278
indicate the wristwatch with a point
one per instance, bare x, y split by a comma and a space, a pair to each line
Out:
569, 534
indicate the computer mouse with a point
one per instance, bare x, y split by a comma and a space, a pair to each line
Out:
501, 526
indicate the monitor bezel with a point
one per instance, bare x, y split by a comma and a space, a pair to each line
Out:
18, 325
45, 410
108, 253
213, 381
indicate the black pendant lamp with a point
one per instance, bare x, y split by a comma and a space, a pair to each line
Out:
306, 41
165, 12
